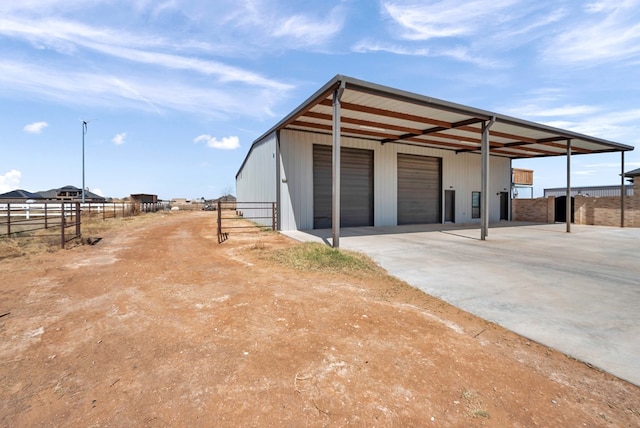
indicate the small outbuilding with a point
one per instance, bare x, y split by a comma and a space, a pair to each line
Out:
360, 154
144, 198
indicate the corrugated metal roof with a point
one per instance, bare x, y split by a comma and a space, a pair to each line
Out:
634, 173
393, 116
592, 191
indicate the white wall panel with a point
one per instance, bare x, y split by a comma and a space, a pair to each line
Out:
296, 181
256, 182
460, 172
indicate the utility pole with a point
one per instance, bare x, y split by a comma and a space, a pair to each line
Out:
84, 131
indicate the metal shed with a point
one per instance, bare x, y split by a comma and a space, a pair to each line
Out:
470, 149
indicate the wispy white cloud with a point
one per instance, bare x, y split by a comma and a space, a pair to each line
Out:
459, 53
119, 138
437, 19
532, 110
366, 46
308, 31
548, 105
606, 31
98, 192
35, 127
68, 36
10, 180
474, 32
282, 25
226, 143
145, 92
612, 165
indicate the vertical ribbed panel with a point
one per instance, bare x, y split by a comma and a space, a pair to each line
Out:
460, 172
296, 186
257, 180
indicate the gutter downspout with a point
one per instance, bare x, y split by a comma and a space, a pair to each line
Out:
335, 205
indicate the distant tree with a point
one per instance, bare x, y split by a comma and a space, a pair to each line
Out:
227, 191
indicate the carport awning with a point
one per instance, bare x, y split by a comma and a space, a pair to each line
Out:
392, 116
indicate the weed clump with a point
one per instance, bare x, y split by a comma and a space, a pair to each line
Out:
319, 257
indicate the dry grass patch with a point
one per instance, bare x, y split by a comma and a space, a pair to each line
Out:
320, 257
48, 240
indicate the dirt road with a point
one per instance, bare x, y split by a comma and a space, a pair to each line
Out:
158, 325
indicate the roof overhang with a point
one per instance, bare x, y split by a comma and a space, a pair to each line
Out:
391, 116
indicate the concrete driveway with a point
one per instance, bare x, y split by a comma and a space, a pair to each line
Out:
578, 293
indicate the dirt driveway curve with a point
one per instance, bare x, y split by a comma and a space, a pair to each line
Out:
158, 325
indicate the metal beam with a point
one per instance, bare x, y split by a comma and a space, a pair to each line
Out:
622, 190
568, 205
335, 206
484, 195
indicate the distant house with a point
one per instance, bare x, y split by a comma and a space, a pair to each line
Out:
71, 193
19, 195
631, 175
66, 193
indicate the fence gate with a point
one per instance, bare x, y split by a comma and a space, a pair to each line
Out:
244, 217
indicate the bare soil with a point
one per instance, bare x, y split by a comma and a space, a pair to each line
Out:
159, 325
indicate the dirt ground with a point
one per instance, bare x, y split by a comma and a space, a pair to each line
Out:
159, 325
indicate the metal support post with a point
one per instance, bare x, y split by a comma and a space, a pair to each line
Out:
568, 205
484, 194
622, 190
335, 206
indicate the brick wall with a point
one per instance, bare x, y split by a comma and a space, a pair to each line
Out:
539, 210
605, 211
602, 211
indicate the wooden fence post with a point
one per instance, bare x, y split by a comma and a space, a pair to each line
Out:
62, 227
78, 233
219, 222
273, 216
46, 216
9, 220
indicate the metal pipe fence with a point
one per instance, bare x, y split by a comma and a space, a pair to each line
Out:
62, 219
244, 216
23, 220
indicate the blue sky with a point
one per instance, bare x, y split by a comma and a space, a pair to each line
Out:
177, 90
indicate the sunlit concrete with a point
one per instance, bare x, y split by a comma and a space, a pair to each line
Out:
578, 293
